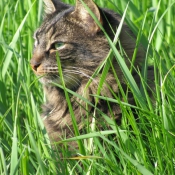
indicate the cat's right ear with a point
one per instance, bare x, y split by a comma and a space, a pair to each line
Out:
54, 5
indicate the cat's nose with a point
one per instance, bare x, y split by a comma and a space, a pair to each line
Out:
37, 58
34, 64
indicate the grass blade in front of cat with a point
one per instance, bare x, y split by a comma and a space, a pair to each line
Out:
120, 60
75, 126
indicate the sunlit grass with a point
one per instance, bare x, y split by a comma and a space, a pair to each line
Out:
142, 146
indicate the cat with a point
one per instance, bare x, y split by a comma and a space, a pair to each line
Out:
82, 47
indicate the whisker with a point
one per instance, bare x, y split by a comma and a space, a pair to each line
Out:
77, 82
68, 71
80, 69
79, 72
69, 77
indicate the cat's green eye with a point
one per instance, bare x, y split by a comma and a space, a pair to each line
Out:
58, 45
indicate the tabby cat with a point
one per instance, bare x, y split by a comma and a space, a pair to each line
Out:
82, 46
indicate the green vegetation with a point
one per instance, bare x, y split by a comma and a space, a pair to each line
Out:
145, 146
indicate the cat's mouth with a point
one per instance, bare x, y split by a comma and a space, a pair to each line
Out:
46, 77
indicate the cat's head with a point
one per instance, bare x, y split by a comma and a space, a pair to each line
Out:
73, 33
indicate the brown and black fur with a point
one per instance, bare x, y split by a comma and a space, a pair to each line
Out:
84, 48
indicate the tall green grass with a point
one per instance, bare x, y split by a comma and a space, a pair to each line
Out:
144, 146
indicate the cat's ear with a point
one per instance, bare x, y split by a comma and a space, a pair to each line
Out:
54, 5
82, 16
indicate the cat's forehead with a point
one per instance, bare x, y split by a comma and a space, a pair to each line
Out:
52, 21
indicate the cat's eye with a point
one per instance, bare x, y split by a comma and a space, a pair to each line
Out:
58, 45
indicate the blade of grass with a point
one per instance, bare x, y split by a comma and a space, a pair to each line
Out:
69, 105
34, 145
14, 155
107, 66
3, 166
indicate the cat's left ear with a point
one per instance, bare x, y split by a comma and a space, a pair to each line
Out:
82, 16
54, 5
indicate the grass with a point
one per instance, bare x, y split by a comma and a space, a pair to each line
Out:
145, 147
